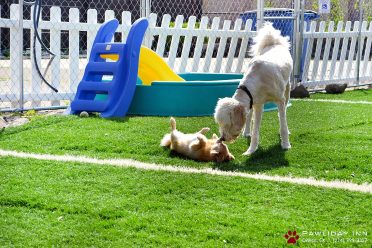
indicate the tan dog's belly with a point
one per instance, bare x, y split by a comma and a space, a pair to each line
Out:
183, 144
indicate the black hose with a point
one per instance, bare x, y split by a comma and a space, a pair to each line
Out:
36, 18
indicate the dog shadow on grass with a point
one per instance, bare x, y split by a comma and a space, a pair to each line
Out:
262, 160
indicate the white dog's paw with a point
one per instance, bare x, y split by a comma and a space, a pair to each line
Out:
247, 134
286, 145
250, 151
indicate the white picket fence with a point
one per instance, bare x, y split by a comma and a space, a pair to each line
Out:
66, 73
328, 66
336, 53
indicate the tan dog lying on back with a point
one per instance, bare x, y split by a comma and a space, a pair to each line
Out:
196, 146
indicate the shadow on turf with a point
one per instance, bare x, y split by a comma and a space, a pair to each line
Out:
260, 161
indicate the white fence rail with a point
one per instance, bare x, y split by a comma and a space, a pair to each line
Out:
334, 54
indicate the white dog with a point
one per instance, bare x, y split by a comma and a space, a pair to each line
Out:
267, 79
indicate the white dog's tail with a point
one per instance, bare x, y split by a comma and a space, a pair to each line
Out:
166, 140
268, 36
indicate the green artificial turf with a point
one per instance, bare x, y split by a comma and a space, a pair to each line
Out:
329, 140
53, 204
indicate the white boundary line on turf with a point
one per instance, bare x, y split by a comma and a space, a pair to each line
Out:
129, 163
330, 100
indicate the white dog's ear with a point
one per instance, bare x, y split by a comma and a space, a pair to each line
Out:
239, 115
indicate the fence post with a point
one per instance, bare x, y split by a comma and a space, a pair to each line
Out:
0, 32
20, 65
295, 37
16, 69
55, 47
35, 78
142, 8
360, 47
73, 48
299, 40
260, 13
92, 21
145, 8
148, 8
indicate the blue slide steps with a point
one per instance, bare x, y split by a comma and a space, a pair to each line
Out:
120, 90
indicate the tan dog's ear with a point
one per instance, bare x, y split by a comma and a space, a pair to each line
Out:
214, 136
239, 115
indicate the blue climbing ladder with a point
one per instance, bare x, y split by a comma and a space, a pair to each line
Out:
108, 87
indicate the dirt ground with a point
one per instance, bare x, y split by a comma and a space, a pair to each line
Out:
17, 119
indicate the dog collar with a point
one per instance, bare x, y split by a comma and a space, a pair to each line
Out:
245, 89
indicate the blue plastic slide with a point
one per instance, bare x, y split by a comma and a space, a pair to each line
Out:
114, 80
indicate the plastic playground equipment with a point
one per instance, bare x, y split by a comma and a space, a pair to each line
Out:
151, 67
119, 91
126, 78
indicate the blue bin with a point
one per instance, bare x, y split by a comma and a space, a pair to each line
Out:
284, 25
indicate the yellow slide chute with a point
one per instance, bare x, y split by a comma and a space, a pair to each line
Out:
151, 67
